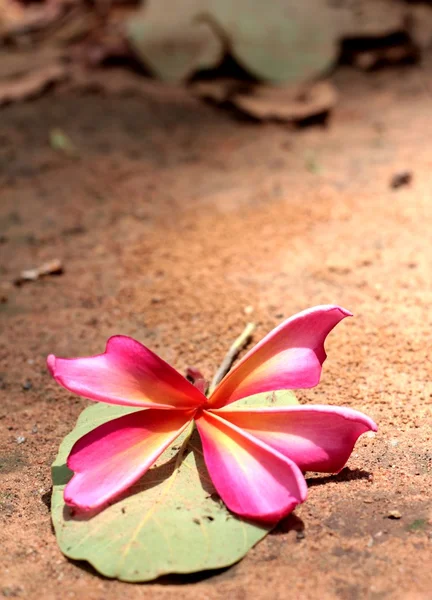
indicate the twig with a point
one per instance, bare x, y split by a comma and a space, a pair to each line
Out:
231, 355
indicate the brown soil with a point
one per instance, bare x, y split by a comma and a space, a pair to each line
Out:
173, 219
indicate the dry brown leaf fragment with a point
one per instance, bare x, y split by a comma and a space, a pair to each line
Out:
16, 20
287, 103
30, 84
51, 267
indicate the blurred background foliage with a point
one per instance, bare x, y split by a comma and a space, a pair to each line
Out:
225, 51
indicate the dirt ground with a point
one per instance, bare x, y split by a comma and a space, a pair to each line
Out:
174, 220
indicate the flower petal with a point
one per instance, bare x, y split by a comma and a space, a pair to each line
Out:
253, 480
289, 357
127, 373
316, 438
109, 459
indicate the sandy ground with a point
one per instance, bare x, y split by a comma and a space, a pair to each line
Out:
174, 218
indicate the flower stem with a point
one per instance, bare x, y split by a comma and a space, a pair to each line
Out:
231, 355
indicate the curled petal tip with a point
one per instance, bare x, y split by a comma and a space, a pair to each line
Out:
373, 425
326, 308
289, 357
51, 360
345, 311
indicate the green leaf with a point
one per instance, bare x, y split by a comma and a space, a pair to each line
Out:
171, 521
278, 41
172, 41
279, 398
283, 41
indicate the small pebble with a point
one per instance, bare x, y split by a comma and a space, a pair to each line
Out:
394, 514
20, 439
34, 429
27, 385
400, 179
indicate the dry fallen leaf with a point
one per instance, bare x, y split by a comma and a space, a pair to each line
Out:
31, 83
16, 20
11, 13
52, 267
287, 103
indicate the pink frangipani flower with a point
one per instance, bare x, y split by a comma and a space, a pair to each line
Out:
255, 456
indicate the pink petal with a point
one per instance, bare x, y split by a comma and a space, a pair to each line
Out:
253, 480
109, 459
316, 438
289, 357
127, 373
